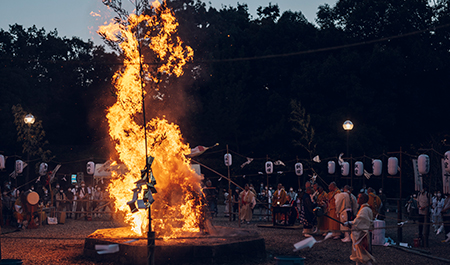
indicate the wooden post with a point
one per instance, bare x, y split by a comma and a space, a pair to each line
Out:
399, 201
229, 189
351, 171
399, 204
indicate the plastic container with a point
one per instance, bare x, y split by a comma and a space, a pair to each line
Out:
379, 233
289, 260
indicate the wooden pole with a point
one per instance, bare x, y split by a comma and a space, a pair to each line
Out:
229, 189
399, 205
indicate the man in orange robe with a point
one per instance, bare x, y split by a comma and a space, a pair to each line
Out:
374, 202
331, 211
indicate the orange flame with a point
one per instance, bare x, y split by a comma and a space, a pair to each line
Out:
178, 206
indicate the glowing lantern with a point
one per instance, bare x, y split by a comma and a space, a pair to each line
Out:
298, 169
331, 167
377, 167
19, 166
269, 167
90, 168
345, 168
43, 167
228, 159
423, 163
2, 162
392, 166
447, 161
359, 168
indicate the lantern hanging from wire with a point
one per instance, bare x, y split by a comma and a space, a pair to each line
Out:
423, 163
228, 159
345, 169
377, 167
331, 167
359, 168
298, 169
392, 166
269, 167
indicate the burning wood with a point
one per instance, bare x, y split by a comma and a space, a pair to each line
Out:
178, 206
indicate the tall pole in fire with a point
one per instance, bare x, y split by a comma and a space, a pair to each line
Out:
150, 233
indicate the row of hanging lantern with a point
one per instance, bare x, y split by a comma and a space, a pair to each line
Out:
377, 166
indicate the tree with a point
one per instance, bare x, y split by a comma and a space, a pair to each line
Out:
32, 137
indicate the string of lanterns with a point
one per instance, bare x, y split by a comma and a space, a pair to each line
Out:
423, 163
377, 166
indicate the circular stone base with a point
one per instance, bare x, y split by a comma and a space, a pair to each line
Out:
225, 245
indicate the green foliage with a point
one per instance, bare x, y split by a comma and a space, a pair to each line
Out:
32, 136
301, 125
248, 78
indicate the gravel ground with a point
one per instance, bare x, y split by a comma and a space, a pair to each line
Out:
63, 244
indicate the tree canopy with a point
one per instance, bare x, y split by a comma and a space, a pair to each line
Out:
257, 83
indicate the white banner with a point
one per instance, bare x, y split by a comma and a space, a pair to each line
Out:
418, 183
445, 179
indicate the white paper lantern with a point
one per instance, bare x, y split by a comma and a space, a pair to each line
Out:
228, 159
447, 161
43, 167
377, 167
331, 167
392, 166
2, 162
90, 168
345, 168
19, 166
269, 167
298, 169
423, 163
359, 168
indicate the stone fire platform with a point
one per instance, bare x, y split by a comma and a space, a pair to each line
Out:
224, 245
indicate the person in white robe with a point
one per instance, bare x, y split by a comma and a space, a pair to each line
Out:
360, 232
247, 202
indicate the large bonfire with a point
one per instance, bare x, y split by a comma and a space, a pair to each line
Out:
178, 207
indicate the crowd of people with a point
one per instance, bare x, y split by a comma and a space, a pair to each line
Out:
338, 213
76, 201
425, 208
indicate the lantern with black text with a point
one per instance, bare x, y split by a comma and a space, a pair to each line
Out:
392, 166
359, 168
423, 163
377, 167
331, 167
269, 167
2, 162
447, 161
227, 159
298, 169
19, 166
43, 168
90, 168
345, 168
